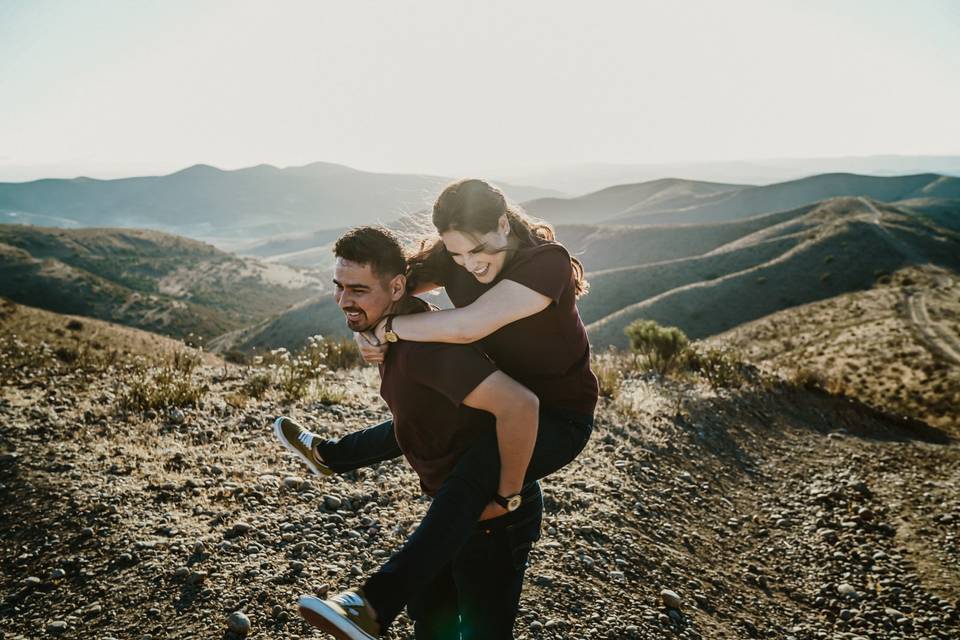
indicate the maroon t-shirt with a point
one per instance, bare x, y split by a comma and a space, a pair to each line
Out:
547, 352
424, 385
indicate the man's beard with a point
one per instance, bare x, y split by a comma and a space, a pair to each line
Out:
361, 325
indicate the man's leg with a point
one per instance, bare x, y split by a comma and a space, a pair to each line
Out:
457, 507
363, 448
489, 572
434, 610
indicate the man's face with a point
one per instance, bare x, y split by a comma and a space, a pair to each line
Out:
361, 295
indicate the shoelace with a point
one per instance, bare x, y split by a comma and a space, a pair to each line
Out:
349, 600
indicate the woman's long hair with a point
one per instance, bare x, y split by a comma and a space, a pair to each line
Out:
475, 206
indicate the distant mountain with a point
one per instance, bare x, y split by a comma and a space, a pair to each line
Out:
145, 279
614, 202
840, 245
230, 207
687, 202
578, 179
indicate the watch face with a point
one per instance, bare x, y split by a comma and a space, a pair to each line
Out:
391, 336
514, 503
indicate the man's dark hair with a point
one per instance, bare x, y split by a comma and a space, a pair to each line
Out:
376, 246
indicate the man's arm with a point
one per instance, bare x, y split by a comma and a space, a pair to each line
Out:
516, 410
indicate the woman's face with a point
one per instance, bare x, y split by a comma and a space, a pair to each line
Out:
482, 255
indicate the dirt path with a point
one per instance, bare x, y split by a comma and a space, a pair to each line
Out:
938, 337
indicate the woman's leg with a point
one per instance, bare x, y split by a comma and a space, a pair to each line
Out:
363, 448
455, 509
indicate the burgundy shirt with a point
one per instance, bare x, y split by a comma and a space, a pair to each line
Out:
547, 352
424, 384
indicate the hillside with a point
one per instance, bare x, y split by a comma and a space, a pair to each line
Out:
769, 510
229, 207
602, 247
290, 329
897, 346
145, 279
729, 202
613, 202
848, 244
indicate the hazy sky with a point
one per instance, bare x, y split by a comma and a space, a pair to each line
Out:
451, 87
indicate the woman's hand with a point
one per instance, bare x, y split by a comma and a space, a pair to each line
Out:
370, 350
492, 510
380, 331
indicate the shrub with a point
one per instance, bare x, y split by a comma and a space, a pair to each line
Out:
720, 366
660, 346
342, 354
257, 385
159, 387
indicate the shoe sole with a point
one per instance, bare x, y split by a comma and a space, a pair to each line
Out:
316, 612
278, 431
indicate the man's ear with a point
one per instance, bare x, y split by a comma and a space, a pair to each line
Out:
398, 286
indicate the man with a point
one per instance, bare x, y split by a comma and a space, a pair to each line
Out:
443, 398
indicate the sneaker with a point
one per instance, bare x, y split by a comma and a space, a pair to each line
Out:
345, 615
300, 441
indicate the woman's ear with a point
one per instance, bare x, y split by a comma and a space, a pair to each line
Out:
503, 224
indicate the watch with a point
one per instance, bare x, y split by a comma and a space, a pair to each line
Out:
510, 503
389, 333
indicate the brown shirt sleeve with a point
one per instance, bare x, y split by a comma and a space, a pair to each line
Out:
454, 370
545, 269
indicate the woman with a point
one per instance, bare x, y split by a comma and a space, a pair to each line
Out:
515, 290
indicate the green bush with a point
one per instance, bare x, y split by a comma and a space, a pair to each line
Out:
163, 386
660, 346
720, 366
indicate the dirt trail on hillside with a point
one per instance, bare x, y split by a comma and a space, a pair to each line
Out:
937, 336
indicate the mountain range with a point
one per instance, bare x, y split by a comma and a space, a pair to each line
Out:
229, 208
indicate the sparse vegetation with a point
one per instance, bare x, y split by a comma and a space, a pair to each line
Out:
660, 346
171, 383
721, 367
608, 367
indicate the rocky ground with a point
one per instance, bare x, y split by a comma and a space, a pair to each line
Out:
767, 511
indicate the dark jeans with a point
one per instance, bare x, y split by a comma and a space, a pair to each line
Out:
457, 506
476, 597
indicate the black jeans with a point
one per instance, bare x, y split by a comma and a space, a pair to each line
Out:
476, 597
457, 506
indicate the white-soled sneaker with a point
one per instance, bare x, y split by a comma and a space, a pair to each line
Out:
300, 441
345, 615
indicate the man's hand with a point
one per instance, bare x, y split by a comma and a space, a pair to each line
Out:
492, 510
370, 350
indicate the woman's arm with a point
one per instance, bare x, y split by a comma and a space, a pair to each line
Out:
505, 302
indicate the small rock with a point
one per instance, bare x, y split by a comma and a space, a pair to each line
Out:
175, 416
292, 482
196, 578
670, 599
332, 502
56, 627
238, 623
239, 529
847, 591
